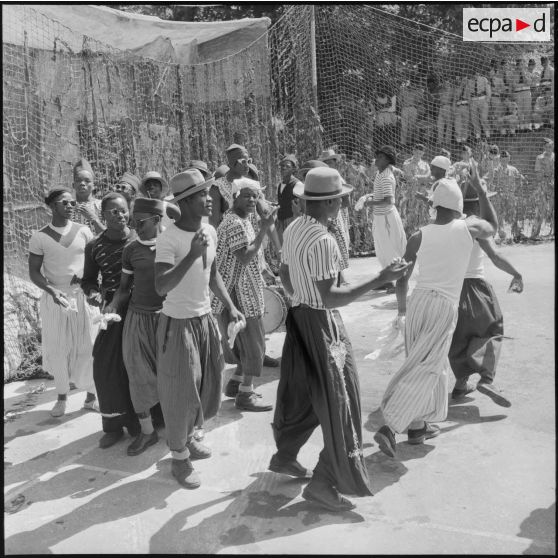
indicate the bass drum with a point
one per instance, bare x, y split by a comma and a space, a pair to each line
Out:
275, 312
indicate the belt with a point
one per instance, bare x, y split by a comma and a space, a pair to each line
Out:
462, 103
479, 97
522, 89
495, 94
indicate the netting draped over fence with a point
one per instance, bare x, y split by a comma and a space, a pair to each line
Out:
347, 76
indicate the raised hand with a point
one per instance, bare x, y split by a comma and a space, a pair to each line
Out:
87, 213
199, 244
268, 218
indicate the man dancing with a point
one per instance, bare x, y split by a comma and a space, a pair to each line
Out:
477, 340
189, 357
319, 383
417, 394
238, 262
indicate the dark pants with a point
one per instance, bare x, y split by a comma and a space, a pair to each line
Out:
111, 380
477, 340
311, 392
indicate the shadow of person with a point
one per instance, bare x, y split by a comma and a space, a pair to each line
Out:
469, 414
252, 516
126, 499
41, 420
540, 527
47, 461
385, 471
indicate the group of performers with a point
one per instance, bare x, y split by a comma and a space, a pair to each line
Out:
149, 291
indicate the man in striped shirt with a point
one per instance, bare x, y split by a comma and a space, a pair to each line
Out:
319, 384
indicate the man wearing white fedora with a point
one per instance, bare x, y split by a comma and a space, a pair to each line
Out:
319, 383
189, 356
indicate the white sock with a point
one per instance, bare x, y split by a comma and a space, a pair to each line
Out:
236, 378
246, 389
146, 425
185, 454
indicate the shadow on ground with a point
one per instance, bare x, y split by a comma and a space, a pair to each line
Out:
252, 516
540, 526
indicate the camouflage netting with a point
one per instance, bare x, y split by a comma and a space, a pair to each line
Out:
124, 112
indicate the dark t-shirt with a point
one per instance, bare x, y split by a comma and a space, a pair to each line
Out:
139, 260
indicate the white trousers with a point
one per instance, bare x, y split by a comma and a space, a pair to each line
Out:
419, 390
67, 342
389, 237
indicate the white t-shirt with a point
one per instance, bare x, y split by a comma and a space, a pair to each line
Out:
191, 297
62, 258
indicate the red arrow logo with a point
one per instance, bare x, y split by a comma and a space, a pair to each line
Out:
519, 25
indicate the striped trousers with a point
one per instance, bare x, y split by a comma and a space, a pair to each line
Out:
419, 390
67, 341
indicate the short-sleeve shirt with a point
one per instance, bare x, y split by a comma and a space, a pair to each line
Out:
191, 297
243, 282
138, 259
312, 255
63, 254
104, 255
384, 185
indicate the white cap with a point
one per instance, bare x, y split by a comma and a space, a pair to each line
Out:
240, 183
447, 194
441, 162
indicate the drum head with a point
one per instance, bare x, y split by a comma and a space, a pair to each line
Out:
275, 310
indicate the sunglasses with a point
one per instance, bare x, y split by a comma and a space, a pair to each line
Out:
115, 211
65, 203
140, 221
242, 161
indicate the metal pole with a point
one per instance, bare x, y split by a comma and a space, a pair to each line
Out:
313, 57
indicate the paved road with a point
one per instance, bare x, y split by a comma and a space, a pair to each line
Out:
486, 486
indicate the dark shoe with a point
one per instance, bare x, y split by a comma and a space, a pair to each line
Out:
142, 442
461, 393
292, 468
271, 362
327, 497
231, 389
198, 450
386, 440
110, 438
494, 393
419, 435
183, 471
248, 401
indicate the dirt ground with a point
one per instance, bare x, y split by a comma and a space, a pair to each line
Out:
485, 486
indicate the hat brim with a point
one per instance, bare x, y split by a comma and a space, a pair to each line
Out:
163, 182
298, 191
194, 190
336, 157
476, 198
